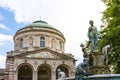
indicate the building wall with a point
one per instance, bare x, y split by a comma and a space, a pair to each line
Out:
35, 63
53, 41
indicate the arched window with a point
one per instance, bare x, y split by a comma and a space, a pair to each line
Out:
42, 41
21, 43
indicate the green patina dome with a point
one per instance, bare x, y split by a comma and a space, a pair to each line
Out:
39, 24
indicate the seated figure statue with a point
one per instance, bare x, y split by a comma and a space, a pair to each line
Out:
61, 74
82, 70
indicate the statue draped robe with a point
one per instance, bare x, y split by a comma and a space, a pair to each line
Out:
93, 36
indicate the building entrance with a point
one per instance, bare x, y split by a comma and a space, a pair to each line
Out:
44, 73
25, 73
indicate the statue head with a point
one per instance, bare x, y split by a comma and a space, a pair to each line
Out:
82, 45
108, 46
91, 22
58, 70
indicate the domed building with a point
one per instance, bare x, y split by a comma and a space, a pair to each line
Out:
38, 53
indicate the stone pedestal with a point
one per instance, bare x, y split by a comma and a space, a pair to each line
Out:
99, 70
97, 64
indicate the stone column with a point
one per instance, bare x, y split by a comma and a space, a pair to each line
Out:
15, 75
35, 75
53, 75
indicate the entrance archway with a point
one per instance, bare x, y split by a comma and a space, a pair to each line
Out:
44, 73
25, 73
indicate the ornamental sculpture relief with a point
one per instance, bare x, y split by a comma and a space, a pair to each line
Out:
40, 55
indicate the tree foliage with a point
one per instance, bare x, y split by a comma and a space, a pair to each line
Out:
111, 31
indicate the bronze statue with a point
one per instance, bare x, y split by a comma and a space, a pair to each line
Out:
85, 55
93, 36
82, 70
105, 52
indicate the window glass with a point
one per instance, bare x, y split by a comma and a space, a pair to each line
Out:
42, 41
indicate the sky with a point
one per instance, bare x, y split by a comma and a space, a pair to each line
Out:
71, 17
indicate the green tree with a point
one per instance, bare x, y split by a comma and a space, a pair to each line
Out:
111, 32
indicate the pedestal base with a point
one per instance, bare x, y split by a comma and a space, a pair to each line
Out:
98, 65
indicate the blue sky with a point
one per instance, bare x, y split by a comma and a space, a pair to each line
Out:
8, 27
71, 17
7, 19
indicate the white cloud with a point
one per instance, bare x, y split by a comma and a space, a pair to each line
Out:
4, 27
69, 16
5, 39
28, 10
5, 42
2, 61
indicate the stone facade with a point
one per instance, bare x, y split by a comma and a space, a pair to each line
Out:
38, 53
